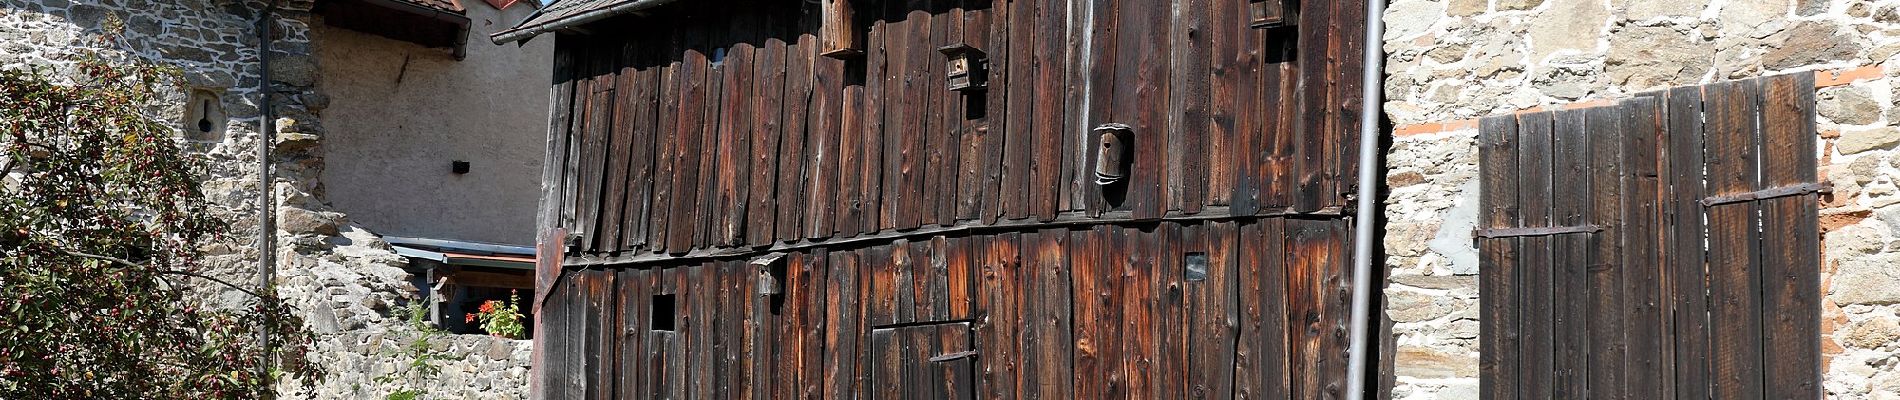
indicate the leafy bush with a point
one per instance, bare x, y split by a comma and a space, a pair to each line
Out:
501, 319
102, 223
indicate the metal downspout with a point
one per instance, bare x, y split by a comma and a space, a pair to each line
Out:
1362, 287
266, 202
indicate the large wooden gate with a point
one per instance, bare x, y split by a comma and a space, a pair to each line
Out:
1664, 247
753, 217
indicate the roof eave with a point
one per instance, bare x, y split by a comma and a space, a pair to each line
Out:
523, 33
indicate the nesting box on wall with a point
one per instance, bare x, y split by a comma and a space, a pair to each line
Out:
1111, 159
965, 67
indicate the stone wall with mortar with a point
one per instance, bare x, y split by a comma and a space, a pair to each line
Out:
347, 282
1452, 61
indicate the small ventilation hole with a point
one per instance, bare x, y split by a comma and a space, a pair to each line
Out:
664, 310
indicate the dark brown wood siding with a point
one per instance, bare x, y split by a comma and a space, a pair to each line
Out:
1203, 309
714, 126
838, 227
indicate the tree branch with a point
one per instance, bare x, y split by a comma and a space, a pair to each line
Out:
129, 263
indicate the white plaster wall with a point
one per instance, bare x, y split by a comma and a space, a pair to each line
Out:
400, 113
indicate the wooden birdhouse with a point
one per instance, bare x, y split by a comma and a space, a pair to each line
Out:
966, 70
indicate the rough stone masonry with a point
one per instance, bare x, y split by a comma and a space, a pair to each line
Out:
1451, 61
346, 281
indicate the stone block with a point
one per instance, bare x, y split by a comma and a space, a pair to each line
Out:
1857, 141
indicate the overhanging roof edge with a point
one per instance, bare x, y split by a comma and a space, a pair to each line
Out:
525, 31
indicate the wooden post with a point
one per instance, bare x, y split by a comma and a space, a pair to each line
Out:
839, 35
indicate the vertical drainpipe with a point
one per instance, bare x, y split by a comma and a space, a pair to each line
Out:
1362, 287
266, 202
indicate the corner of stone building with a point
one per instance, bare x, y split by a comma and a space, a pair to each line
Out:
348, 282
1458, 60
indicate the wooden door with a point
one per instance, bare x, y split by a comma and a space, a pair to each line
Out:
924, 362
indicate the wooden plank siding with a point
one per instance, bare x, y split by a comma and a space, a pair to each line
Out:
1679, 250
841, 224
1056, 313
717, 133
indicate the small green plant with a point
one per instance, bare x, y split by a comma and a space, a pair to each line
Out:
501, 319
420, 350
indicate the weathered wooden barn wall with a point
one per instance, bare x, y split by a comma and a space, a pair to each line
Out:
698, 137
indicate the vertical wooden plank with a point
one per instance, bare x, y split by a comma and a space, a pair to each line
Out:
1734, 251
620, 118
956, 379
1571, 193
1266, 356
1048, 372
961, 265
633, 288
871, 162
1213, 305
994, 132
596, 148
1019, 134
937, 277
917, 272
1538, 274
1243, 90
948, 135
1349, 43
1143, 33
904, 303
1636, 324
1170, 312
825, 131
1140, 349
851, 137
975, 135
1791, 286
842, 325
1318, 120
1099, 62
1685, 244
553, 382
1051, 72
801, 146
1188, 105
1498, 265
1097, 364
1076, 178
701, 328
666, 136
683, 201
706, 213
887, 368
1224, 68
672, 378
560, 131
641, 180
767, 105
900, 124
735, 144
881, 298
603, 331
916, 94
996, 301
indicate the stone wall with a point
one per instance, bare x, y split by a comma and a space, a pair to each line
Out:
346, 281
1451, 61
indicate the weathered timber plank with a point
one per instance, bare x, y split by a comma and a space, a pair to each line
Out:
1047, 368
900, 119
1170, 312
1140, 350
1538, 274
842, 325
1636, 333
1318, 121
1790, 279
823, 171
1051, 73
1188, 106
851, 137
994, 130
996, 302
1349, 38
1497, 259
960, 263
1099, 62
1213, 305
1019, 133
735, 145
936, 277
887, 368
1265, 358
881, 299
619, 115
632, 365
707, 213
1571, 191
1096, 362
800, 145
1143, 33
871, 161
1684, 244
770, 162
945, 163
1732, 148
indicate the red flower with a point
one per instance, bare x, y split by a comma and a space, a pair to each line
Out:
470, 318
488, 307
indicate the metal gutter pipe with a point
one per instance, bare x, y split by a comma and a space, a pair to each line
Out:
518, 34
266, 202
1369, 114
